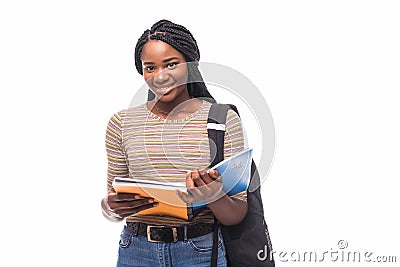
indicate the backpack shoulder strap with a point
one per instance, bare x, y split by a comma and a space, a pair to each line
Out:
216, 135
216, 130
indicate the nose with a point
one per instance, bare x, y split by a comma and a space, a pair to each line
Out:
161, 77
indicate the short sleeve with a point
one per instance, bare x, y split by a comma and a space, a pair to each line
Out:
234, 141
117, 166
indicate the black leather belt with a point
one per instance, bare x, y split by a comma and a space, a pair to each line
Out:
159, 233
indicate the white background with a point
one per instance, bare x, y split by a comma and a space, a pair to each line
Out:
329, 71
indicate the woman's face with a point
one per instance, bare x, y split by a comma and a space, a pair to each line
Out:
165, 70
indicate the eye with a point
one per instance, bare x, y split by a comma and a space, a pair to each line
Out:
172, 65
149, 68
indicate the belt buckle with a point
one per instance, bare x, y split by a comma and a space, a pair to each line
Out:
174, 233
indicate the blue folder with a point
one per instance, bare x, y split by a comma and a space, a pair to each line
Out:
235, 172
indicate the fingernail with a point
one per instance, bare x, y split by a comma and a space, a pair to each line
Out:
155, 204
138, 197
151, 200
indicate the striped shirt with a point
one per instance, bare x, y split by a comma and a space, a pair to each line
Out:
142, 145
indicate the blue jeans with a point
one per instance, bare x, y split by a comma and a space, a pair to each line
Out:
137, 251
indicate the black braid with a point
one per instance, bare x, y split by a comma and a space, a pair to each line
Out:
182, 40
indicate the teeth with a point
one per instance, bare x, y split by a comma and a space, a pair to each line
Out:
166, 88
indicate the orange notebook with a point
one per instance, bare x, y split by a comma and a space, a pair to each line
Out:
169, 202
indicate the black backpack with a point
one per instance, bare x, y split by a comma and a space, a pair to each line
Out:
248, 243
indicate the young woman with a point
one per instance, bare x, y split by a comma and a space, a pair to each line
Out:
163, 139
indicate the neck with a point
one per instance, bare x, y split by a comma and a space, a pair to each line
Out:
185, 107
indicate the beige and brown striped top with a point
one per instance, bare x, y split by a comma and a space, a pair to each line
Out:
144, 146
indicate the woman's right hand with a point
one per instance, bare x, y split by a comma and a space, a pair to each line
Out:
126, 204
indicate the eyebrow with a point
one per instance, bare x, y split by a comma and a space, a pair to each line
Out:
165, 60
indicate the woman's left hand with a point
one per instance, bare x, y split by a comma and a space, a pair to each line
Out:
202, 186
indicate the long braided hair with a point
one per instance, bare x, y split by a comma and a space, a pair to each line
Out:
182, 40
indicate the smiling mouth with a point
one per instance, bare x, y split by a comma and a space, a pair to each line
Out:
165, 89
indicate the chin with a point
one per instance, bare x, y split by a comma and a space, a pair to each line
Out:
166, 98
170, 96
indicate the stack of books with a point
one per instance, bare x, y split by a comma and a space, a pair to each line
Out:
235, 172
